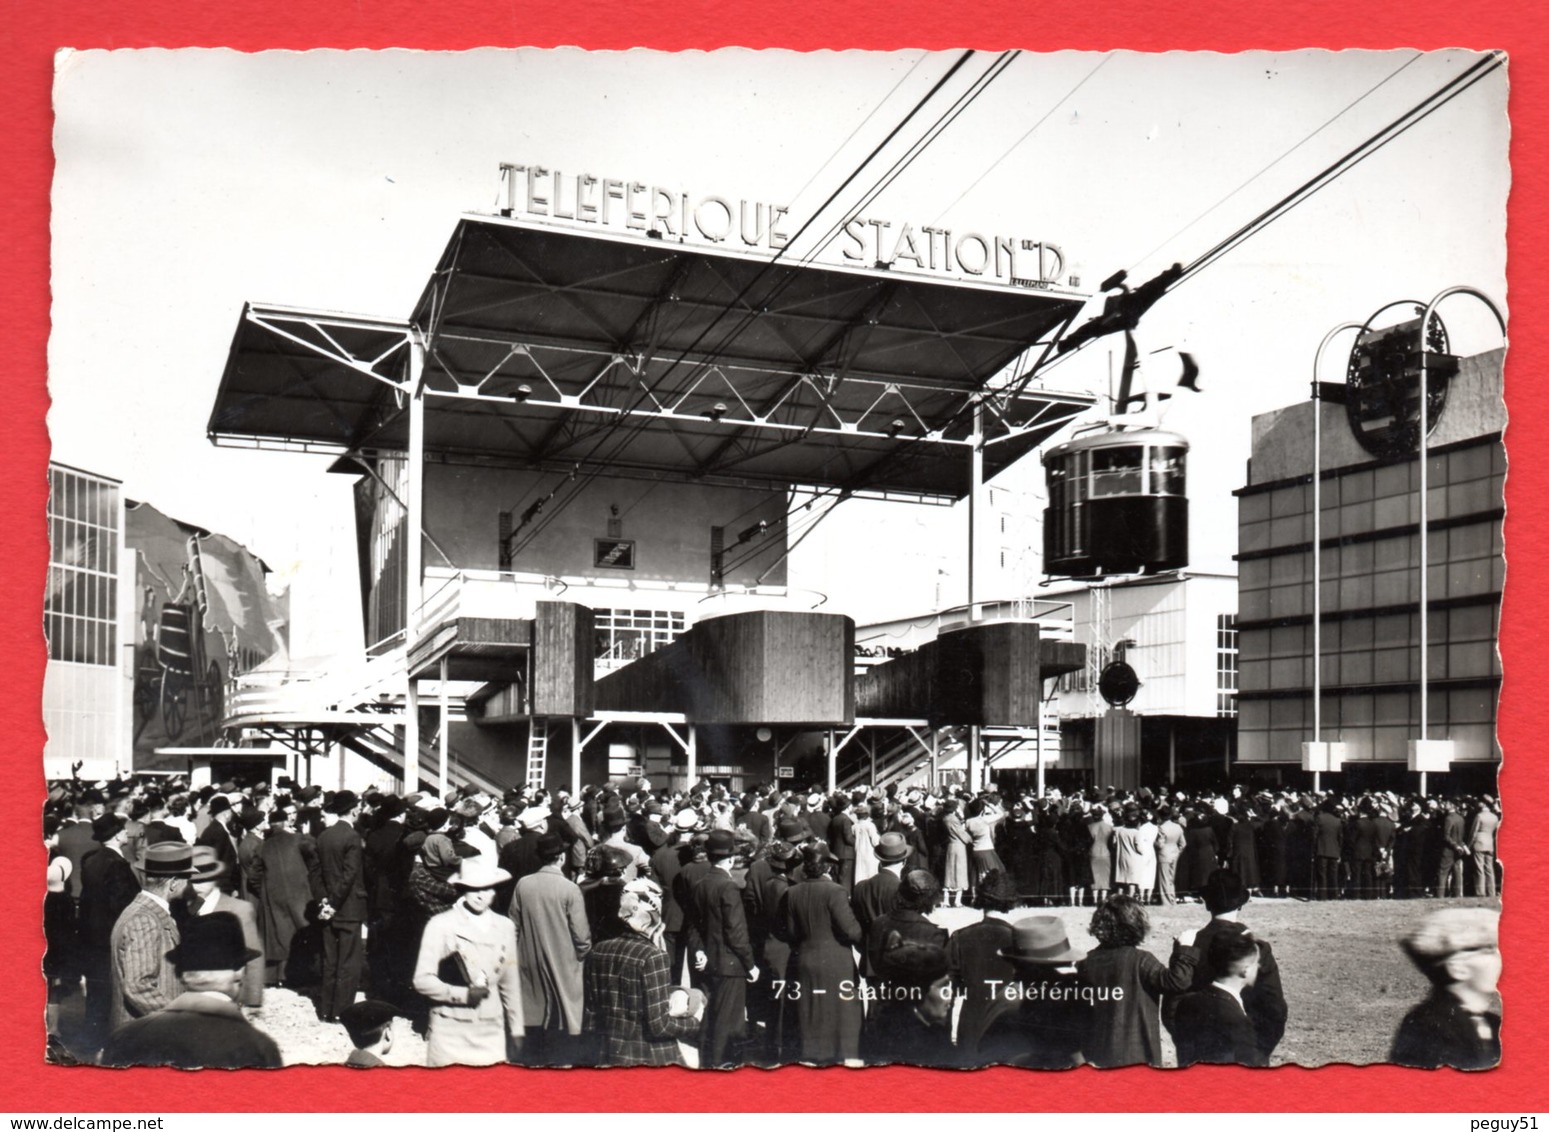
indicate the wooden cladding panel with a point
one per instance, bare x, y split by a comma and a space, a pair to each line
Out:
985, 674
765, 667
562, 637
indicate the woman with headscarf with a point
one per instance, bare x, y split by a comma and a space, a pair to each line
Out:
821, 992
633, 1010
602, 888
772, 949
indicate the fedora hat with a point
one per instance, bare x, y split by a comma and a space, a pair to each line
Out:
167, 859
1041, 940
720, 844
212, 943
550, 844
892, 847
107, 826
789, 829
207, 865
479, 872
343, 802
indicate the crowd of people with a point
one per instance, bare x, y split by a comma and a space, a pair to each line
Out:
632, 926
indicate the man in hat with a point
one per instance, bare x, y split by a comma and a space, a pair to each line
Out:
369, 1024
284, 882
108, 886
341, 855
1261, 998
520, 856
144, 980
204, 897
251, 822
1458, 950
218, 835
553, 940
723, 951
841, 839
202, 1027
469, 969
1212, 1024
874, 897
75, 836
1039, 1018
666, 863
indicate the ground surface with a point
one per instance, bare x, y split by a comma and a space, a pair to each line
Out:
1346, 983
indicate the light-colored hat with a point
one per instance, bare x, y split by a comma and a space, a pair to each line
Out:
686, 820
533, 817
479, 872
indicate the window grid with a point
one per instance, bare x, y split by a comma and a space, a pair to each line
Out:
623, 635
80, 605
1226, 665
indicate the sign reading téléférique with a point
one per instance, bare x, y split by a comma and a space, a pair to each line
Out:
535, 190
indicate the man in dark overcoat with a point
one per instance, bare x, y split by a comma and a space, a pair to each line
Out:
218, 835
723, 951
341, 859
108, 886
284, 884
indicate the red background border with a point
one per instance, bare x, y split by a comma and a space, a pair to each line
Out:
33, 30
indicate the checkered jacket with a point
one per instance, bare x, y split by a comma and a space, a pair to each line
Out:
628, 982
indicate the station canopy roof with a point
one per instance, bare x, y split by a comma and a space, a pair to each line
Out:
571, 351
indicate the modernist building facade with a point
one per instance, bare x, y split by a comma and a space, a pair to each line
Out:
1370, 590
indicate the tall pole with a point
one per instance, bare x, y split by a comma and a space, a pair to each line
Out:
413, 595
1423, 446
1317, 551
575, 758
975, 487
443, 749
833, 762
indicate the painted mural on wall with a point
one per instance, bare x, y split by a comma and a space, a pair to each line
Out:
204, 617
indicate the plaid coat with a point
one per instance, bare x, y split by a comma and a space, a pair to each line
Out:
144, 980
627, 989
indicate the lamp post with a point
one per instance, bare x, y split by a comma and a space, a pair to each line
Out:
1317, 757
1424, 752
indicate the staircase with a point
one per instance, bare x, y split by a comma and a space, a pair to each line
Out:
899, 752
383, 747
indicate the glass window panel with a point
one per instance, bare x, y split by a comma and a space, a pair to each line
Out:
1355, 487
1468, 463
1393, 512
1390, 481
1393, 629
1391, 708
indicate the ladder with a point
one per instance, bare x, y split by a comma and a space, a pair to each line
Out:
537, 752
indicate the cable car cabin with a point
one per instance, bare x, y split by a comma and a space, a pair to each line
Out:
1118, 504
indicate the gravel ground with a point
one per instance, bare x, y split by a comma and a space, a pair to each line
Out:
1347, 984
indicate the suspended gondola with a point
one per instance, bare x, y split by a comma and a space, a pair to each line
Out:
1118, 494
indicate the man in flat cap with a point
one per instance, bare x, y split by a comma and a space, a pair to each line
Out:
202, 1027
144, 980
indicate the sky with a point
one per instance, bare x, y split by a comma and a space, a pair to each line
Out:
189, 182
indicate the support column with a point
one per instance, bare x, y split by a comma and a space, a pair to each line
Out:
1172, 752
935, 754
973, 755
833, 763
975, 489
442, 747
414, 559
575, 758
871, 745
411, 739
693, 755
